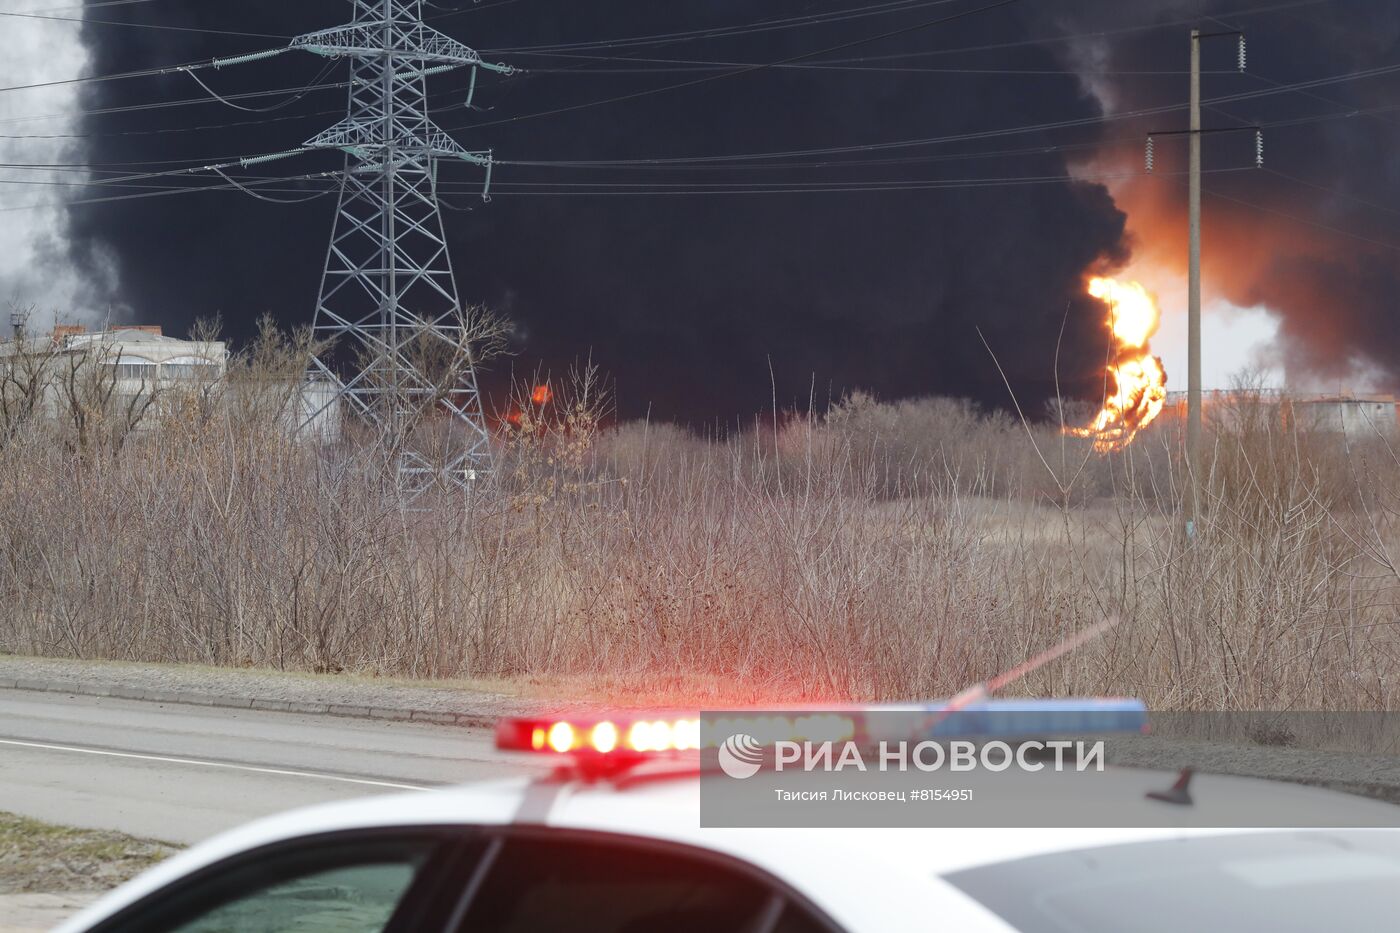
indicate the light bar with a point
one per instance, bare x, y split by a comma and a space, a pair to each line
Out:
630, 737
623, 736
1021, 719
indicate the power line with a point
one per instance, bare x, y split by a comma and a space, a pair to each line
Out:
307, 89
301, 92
746, 70
163, 192
186, 170
1018, 43
187, 129
1333, 191
719, 32
298, 93
167, 130
1306, 93
1327, 117
1302, 220
474, 8
872, 185
828, 164
1026, 42
727, 162
731, 166
850, 188
114, 22
876, 69
90, 6
90, 79
1003, 131
1350, 112
842, 163
564, 190
140, 73
709, 162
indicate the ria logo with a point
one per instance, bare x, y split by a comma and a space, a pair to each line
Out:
740, 756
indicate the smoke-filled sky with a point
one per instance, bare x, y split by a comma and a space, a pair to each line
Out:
34, 260
863, 217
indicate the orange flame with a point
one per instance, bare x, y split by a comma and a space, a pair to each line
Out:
542, 395
1137, 381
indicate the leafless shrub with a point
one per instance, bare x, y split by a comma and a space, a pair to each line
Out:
28, 371
72, 392
878, 550
429, 372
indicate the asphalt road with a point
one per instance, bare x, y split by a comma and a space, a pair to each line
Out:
182, 773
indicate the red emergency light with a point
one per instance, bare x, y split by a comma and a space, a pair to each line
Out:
652, 735
620, 736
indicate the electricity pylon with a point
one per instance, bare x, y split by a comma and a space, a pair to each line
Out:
388, 306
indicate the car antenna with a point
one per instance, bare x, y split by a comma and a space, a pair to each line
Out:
981, 691
1179, 793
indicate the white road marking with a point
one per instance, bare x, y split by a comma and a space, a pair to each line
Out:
213, 764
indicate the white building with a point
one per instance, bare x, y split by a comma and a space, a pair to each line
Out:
1352, 415
142, 356
119, 372
112, 368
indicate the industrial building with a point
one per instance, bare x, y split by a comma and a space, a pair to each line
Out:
107, 380
117, 365
1353, 414
142, 356
1349, 414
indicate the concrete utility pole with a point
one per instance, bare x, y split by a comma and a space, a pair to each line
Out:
1194, 466
1193, 297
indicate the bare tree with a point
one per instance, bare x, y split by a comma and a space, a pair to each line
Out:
102, 418
431, 377
28, 372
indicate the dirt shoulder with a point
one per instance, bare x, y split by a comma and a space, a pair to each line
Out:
473, 702
467, 702
40, 857
50, 872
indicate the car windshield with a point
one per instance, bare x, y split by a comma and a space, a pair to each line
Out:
1305, 881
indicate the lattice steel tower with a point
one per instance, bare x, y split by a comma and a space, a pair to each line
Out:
388, 300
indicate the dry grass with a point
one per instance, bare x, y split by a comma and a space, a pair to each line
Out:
37, 856
883, 551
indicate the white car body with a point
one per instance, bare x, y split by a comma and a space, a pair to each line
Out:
875, 880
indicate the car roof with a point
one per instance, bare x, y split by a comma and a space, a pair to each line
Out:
839, 869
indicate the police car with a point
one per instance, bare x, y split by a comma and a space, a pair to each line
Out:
612, 841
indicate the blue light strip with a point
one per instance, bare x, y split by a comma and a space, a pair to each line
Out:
1028, 718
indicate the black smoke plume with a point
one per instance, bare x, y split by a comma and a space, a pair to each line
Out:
688, 298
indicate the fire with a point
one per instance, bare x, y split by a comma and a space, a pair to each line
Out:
1132, 314
1137, 381
522, 414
